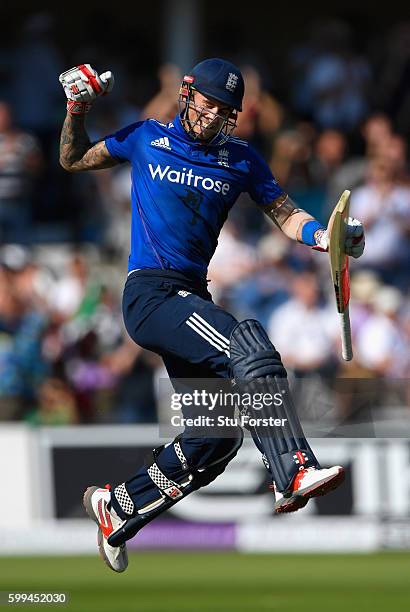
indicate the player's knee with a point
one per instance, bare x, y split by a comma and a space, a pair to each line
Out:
208, 451
252, 354
218, 452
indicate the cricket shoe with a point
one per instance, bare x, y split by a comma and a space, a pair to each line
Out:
308, 482
95, 502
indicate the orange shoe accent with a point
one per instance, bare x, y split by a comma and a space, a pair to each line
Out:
104, 518
297, 479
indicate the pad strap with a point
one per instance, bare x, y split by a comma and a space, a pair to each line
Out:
167, 486
164, 484
180, 454
123, 498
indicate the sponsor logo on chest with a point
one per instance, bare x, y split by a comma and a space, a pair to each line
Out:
188, 177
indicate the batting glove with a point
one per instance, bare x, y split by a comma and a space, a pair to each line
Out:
354, 239
82, 85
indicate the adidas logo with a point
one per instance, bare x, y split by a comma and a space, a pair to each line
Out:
163, 143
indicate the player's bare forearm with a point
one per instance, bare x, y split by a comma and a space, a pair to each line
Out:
77, 153
294, 224
288, 217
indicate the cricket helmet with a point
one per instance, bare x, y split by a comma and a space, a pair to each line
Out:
218, 79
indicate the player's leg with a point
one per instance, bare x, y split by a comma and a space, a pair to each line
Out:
200, 339
250, 355
170, 473
173, 322
191, 461
192, 334
167, 477
257, 368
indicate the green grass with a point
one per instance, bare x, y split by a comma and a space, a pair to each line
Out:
218, 582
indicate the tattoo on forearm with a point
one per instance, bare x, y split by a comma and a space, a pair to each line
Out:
76, 151
74, 142
281, 209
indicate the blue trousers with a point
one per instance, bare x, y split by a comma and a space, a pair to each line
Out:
175, 317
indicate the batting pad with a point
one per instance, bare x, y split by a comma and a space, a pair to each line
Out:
258, 372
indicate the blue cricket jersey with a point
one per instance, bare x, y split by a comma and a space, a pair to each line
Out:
182, 191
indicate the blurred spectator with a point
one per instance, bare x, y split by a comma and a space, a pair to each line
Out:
290, 160
381, 345
329, 153
56, 405
383, 205
69, 290
293, 167
377, 134
261, 115
232, 262
22, 326
268, 286
134, 399
395, 150
303, 330
376, 130
34, 67
90, 325
164, 105
332, 80
20, 163
393, 91
118, 210
364, 284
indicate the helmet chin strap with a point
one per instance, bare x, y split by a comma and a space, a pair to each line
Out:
186, 103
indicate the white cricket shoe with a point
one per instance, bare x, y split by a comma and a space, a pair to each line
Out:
308, 482
95, 502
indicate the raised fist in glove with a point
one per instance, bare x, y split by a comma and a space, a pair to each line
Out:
82, 85
354, 238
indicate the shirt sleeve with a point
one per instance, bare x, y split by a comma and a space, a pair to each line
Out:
121, 144
262, 185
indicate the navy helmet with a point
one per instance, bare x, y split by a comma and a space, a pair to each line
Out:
219, 79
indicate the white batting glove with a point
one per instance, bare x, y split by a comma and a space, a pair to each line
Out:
354, 238
82, 85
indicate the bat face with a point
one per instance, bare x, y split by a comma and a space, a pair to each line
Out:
339, 266
339, 261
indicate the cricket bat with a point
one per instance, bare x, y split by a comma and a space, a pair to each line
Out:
339, 266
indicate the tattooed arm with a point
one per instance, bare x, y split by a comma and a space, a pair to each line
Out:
77, 153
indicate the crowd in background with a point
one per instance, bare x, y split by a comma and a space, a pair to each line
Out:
64, 239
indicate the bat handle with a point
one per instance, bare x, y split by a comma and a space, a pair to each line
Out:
347, 351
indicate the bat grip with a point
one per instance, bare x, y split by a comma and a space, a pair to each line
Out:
347, 351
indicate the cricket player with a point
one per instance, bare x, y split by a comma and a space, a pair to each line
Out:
186, 175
